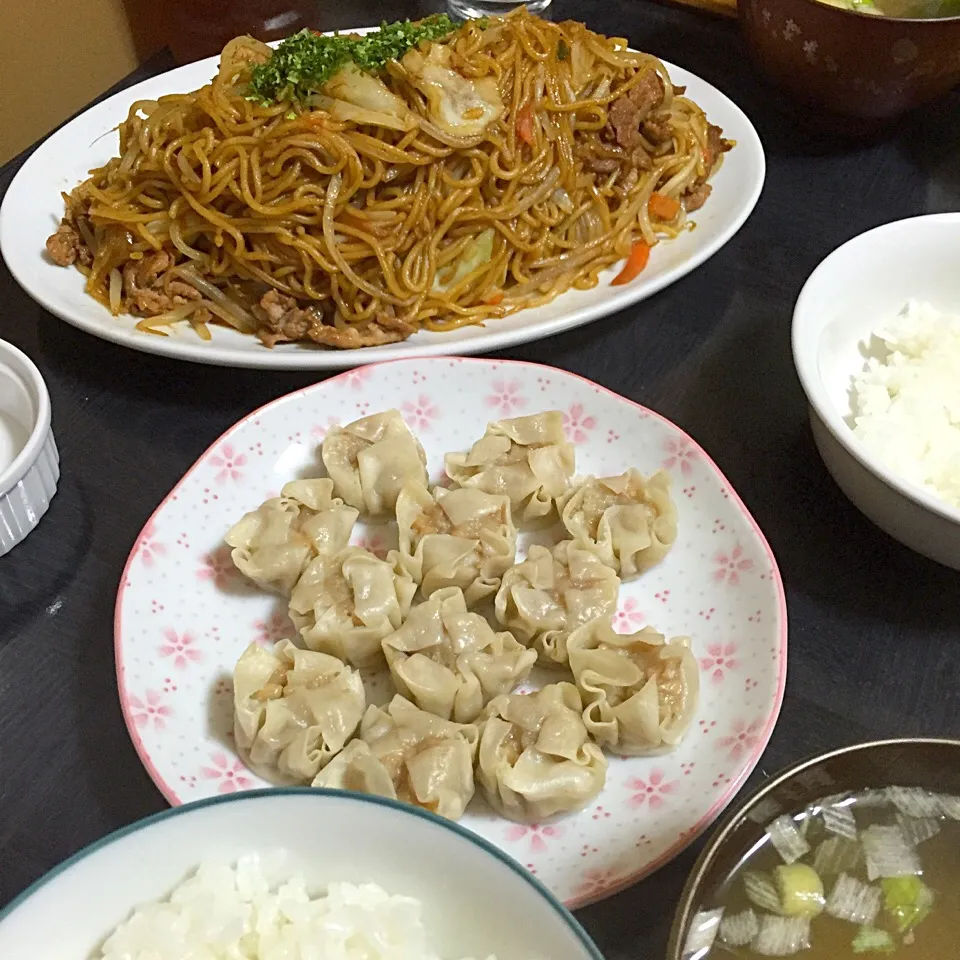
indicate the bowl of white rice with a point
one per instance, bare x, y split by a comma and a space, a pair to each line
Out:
291, 874
876, 342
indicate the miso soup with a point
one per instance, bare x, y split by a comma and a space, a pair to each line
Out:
903, 9
868, 874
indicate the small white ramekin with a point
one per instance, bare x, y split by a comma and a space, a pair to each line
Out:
28, 484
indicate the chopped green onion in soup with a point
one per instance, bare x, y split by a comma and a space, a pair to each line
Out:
907, 900
871, 940
883, 880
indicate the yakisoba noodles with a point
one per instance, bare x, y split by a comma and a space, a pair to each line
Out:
433, 176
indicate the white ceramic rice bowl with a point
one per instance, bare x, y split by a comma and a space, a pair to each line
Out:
859, 287
476, 899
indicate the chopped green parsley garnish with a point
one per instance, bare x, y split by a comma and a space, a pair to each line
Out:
563, 51
303, 63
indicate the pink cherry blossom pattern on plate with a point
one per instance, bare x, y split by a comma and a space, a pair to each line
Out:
719, 659
229, 462
319, 430
419, 413
180, 627
730, 566
651, 792
629, 618
596, 881
150, 711
577, 424
275, 628
358, 377
742, 739
217, 567
149, 546
506, 398
538, 835
231, 773
181, 647
680, 454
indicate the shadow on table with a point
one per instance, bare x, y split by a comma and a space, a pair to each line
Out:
93, 363
39, 571
758, 418
625, 351
931, 142
109, 763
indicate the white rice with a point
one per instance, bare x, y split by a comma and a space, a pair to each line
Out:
235, 913
906, 403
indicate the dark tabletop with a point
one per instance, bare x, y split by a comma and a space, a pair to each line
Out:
874, 629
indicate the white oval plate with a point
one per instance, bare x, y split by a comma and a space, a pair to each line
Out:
184, 616
32, 210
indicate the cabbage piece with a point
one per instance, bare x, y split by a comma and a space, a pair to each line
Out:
238, 59
478, 252
459, 106
352, 95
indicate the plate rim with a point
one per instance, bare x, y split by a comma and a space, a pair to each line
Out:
684, 839
14, 254
347, 796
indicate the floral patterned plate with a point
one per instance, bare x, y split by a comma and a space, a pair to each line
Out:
184, 615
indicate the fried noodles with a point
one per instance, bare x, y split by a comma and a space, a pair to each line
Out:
476, 175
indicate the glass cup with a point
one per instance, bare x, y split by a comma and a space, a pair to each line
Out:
471, 9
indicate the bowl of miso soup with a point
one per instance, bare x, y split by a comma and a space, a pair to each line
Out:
855, 854
857, 64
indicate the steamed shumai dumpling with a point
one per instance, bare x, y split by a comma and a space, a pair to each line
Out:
293, 709
370, 459
274, 543
347, 603
528, 459
551, 593
455, 538
450, 662
536, 758
640, 690
629, 520
407, 754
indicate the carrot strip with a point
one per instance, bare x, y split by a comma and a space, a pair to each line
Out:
525, 125
663, 207
639, 256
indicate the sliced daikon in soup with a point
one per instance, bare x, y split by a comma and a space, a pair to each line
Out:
860, 874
